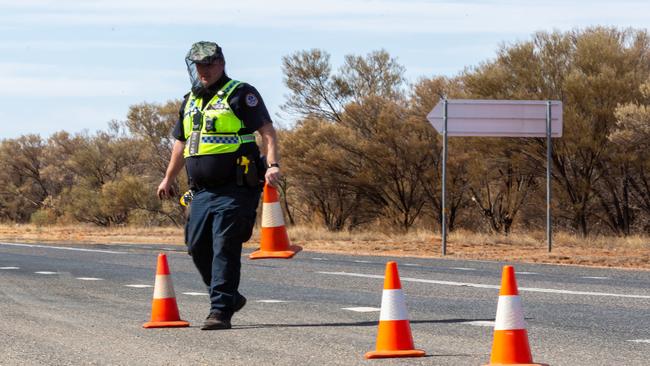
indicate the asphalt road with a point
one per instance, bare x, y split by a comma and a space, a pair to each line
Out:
73, 305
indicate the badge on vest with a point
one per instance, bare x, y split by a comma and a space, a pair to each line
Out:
217, 106
195, 137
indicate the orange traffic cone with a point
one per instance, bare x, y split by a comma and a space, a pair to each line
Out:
164, 311
394, 337
510, 345
274, 242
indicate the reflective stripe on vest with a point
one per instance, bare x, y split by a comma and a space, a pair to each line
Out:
212, 129
228, 139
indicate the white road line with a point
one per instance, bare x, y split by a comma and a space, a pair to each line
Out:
527, 273
90, 279
196, 293
639, 340
464, 269
271, 301
410, 264
362, 261
138, 286
586, 293
46, 272
63, 248
363, 309
480, 323
596, 277
319, 259
480, 285
9, 267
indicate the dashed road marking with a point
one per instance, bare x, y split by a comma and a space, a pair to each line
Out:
196, 293
480, 323
319, 259
596, 277
271, 301
9, 267
63, 248
411, 264
480, 285
359, 261
639, 340
138, 286
363, 309
527, 273
46, 272
464, 269
90, 279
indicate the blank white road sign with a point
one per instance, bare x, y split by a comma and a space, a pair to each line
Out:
513, 118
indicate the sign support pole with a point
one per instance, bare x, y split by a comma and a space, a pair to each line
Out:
549, 150
497, 118
444, 179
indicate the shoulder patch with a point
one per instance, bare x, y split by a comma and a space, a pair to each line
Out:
251, 100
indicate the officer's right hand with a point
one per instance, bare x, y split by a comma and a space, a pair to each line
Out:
165, 189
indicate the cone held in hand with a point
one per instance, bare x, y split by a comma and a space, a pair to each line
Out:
510, 345
394, 337
164, 310
274, 239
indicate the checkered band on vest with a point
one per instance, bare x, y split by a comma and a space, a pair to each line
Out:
220, 139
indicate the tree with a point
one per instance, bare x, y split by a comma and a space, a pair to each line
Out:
314, 92
21, 170
367, 150
151, 125
393, 152
376, 74
314, 168
500, 185
425, 94
591, 71
631, 139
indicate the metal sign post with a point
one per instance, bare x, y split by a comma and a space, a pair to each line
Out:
444, 179
495, 118
549, 150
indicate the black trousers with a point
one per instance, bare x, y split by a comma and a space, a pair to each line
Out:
221, 219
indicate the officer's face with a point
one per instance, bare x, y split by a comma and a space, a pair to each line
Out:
210, 73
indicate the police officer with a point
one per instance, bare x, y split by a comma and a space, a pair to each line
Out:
215, 141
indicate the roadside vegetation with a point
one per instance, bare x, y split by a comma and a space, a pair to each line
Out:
362, 155
602, 251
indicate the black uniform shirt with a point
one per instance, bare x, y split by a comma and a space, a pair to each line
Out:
214, 170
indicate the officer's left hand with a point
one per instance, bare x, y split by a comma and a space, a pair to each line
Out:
273, 176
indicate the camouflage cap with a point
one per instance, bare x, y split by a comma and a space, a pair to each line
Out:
204, 53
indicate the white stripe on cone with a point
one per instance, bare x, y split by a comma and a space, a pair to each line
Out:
163, 288
393, 306
272, 215
510, 313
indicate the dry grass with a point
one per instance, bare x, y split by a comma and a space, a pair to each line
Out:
90, 234
630, 252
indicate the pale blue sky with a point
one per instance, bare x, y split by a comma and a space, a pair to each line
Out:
75, 65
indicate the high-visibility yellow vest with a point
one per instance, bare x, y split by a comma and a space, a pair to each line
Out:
213, 128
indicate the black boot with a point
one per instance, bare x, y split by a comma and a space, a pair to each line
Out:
240, 303
217, 320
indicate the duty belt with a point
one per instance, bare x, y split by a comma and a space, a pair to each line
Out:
228, 139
